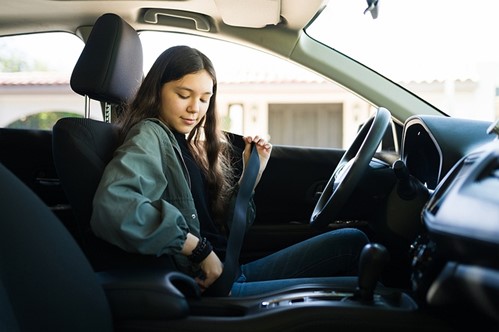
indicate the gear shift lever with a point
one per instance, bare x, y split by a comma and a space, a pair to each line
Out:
373, 259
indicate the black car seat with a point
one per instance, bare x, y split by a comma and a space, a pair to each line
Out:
109, 70
46, 282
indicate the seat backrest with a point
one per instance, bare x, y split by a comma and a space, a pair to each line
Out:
82, 148
46, 282
109, 70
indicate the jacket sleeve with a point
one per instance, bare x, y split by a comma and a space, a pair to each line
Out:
128, 209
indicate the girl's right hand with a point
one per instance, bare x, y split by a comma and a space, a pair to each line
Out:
212, 268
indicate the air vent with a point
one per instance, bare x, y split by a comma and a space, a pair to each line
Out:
491, 172
459, 170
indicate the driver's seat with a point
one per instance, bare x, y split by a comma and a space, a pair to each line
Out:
110, 70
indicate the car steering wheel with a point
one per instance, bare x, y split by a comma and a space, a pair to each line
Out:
350, 169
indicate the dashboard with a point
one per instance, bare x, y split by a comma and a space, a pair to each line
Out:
432, 145
455, 261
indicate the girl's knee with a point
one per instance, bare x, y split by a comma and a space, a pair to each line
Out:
352, 237
359, 236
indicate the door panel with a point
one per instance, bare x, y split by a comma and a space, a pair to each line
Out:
28, 154
293, 175
290, 187
286, 196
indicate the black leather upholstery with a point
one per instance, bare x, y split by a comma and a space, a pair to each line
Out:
46, 283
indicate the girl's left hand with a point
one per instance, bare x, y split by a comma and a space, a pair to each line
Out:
263, 148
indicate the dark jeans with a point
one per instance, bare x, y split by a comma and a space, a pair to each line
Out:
316, 260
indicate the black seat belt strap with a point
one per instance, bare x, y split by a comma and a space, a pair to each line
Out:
223, 285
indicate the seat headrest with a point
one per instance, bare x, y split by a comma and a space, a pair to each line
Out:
110, 67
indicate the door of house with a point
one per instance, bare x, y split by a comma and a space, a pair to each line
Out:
314, 125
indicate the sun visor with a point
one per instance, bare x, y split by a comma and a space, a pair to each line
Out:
249, 13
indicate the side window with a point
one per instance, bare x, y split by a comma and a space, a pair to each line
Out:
261, 94
35, 70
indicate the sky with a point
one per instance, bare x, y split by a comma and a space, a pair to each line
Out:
424, 39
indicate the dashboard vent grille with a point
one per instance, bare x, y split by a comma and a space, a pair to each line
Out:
491, 172
459, 170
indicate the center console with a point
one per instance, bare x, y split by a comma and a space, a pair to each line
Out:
173, 302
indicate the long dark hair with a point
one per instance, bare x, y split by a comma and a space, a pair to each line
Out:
207, 141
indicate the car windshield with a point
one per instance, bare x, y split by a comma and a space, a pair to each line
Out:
445, 51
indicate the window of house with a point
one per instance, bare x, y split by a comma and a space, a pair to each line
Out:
235, 119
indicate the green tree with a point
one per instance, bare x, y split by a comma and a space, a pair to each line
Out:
42, 120
14, 60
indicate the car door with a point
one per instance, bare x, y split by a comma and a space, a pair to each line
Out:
291, 185
285, 198
35, 92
